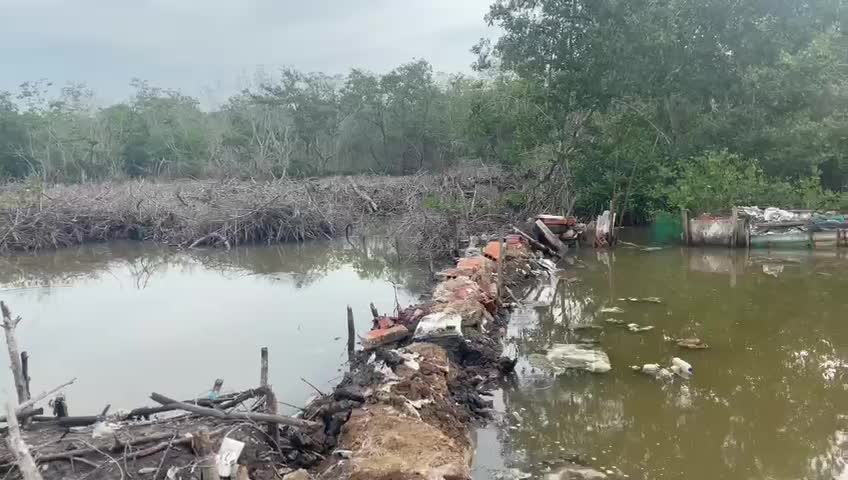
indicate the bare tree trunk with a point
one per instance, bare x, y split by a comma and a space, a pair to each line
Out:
26, 464
9, 326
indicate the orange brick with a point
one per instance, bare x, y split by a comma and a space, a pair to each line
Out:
383, 336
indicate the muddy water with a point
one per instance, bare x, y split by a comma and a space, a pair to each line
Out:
128, 319
769, 398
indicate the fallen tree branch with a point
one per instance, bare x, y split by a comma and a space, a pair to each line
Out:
256, 417
29, 403
26, 465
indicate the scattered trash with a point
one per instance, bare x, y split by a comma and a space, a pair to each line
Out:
641, 300
611, 310
228, 455
584, 326
576, 472
653, 369
691, 343
681, 367
636, 328
298, 475
577, 356
439, 325
103, 429
512, 474
773, 270
343, 453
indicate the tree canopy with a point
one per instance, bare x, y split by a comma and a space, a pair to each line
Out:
645, 102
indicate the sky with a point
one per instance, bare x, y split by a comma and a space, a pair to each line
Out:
212, 48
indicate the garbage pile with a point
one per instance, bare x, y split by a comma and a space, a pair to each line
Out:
772, 220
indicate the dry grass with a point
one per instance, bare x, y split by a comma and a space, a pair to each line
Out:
430, 211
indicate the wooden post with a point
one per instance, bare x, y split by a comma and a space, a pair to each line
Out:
270, 399
501, 271
374, 312
204, 448
687, 239
9, 326
734, 238
25, 371
216, 388
351, 332
15, 442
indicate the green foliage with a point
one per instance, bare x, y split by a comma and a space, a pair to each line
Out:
654, 105
717, 181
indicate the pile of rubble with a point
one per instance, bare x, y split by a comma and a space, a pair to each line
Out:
425, 371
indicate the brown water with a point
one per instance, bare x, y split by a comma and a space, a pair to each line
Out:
130, 318
769, 399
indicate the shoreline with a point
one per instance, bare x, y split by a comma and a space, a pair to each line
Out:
409, 388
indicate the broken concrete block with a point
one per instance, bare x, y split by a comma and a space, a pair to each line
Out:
384, 336
439, 325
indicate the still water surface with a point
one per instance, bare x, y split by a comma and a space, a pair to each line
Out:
130, 318
769, 399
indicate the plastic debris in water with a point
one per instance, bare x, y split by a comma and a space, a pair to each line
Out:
641, 300
636, 328
691, 343
614, 321
681, 367
611, 310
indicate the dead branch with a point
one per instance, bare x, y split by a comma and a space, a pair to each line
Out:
9, 326
256, 417
26, 465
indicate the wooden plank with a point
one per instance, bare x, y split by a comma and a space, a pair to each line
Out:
550, 238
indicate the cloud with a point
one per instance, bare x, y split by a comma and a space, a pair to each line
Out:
202, 44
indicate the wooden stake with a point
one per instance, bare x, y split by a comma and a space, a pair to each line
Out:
374, 312
270, 400
351, 332
263, 372
216, 388
26, 465
9, 326
501, 255
25, 370
687, 239
204, 448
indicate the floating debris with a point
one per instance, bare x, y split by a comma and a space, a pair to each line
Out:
636, 328
614, 321
577, 328
772, 270
691, 343
641, 300
581, 357
681, 367
611, 310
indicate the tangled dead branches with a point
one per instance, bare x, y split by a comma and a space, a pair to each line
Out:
429, 211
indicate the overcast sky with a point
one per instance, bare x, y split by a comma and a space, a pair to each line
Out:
211, 48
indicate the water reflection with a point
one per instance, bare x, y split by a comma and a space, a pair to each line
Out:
766, 397
127, 318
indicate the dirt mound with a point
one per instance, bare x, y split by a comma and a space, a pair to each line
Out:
388, 445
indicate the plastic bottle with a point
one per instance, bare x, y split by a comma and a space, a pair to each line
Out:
682, 366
